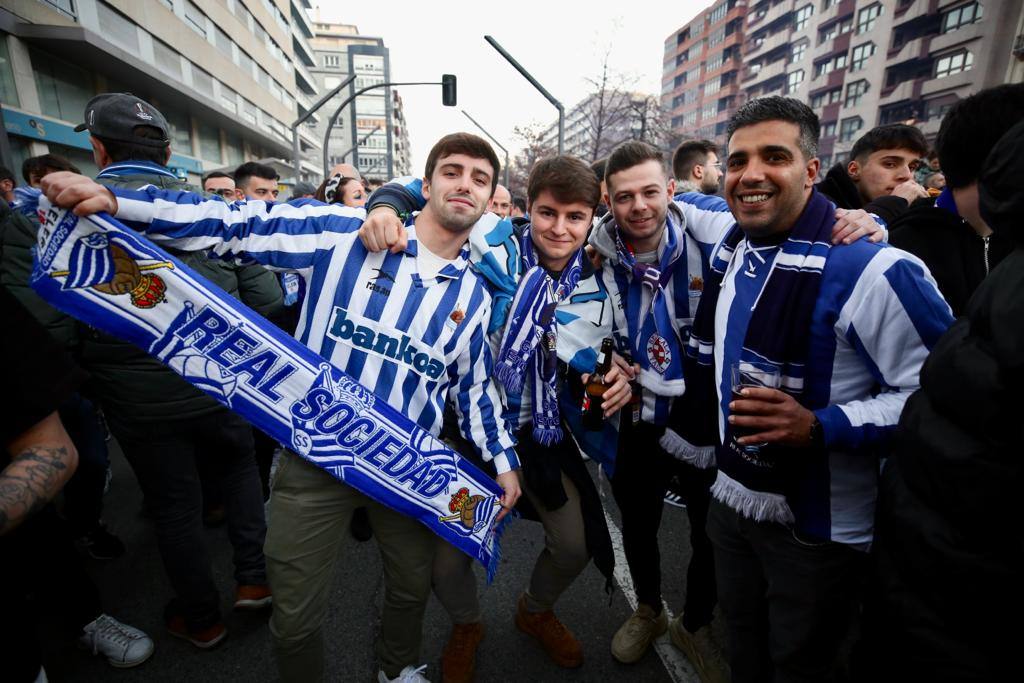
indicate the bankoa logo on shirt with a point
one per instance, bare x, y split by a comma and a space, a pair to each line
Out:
362, 334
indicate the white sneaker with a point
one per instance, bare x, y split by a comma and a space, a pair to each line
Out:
124, 646
410, 674
675, 499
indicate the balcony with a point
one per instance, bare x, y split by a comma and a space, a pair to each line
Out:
305, 80
909, 50
773, 14
964, 79
903, 91
766, 45
753, 77
300, 47
300, 17
962, 35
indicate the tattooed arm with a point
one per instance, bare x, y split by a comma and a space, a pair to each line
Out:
43, 459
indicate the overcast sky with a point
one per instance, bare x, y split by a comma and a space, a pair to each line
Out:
560, 42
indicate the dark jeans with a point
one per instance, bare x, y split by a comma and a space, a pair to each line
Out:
788, 603
83, 494
642, 475
164, 456
40, 568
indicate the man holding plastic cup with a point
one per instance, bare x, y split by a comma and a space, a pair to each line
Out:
807, 351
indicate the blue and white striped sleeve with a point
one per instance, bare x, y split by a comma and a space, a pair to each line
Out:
708, 219
279, 236
893, 318
478, 402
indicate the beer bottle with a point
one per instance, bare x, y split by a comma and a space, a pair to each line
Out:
593, 393
636, 397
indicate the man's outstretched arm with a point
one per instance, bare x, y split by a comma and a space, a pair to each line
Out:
43, 459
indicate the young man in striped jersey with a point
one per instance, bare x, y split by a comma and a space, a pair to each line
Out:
360, 307
845, 329
562, 195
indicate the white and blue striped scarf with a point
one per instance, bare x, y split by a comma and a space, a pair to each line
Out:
529, 344
100, 272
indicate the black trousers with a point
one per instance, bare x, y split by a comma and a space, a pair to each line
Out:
643, 472
164, 456
788, 603
40, 572
83, 494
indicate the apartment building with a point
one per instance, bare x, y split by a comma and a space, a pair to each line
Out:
861, 63
367, 134
700, 85
229, 75
595, 125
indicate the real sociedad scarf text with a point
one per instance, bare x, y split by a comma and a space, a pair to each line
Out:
110, 277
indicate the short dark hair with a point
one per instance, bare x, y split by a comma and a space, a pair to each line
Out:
39, 165
519, 203
972, 127
892, 136
598, 168
463, 143
128, 151
689, 154
217, 174
630, 154
567, 178
5, 174
778, 108
253, 168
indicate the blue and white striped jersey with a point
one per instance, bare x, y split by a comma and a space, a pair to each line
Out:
878, 314
703, 221
413, 341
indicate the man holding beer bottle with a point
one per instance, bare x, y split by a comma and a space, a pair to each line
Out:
544, 336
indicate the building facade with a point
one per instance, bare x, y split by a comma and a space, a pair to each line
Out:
230, 76
602, 120
858, 63
364, 134
700, 85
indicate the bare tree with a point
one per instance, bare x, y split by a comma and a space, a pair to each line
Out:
534, 147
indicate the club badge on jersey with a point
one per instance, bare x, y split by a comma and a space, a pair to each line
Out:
100, 272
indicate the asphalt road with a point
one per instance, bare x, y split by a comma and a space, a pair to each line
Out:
134, 589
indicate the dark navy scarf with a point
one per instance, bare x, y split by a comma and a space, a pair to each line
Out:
777, 334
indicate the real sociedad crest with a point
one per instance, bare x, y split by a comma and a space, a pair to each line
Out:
658, 353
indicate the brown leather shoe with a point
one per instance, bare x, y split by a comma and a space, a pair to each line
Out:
459, 656
253, 597
558, 641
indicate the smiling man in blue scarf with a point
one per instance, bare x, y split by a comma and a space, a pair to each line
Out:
846, 329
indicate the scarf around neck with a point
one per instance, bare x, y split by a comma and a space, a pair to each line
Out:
757, 483
530, 341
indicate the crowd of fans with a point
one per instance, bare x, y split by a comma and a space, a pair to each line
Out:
853, 518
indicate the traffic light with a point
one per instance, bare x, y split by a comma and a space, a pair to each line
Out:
448, 98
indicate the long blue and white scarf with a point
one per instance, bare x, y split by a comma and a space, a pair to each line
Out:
759, 486
100, 272
529, 345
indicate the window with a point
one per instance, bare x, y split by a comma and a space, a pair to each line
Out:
954, 63
803, 16
209, 141
195, 18
712, 86
332, 60
682, 57
716, 37
849, 127
228, 99
860, 56
827, 97
245, 63
118, 28
855, 92
181, 129
64, 89
836, 28
8, 93
799, 50
690, 118
829, 65
713, 63
709, 111
828, 129
233, 147
223, 43
794, 80
960, 16
167, 59
937, 108
202, 81
690, 96
827, 4
866, 18
718, 13
249, 112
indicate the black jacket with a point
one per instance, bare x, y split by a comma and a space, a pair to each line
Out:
949, 544
838, 187
958, 258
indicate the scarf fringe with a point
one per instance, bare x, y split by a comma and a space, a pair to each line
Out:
547, 436
496, 533
701, 457
759, 506
509, 377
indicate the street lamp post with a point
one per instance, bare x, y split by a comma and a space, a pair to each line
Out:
302, 119
533, 81
492, 140
447, 84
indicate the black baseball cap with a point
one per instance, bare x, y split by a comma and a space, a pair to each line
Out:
114, 116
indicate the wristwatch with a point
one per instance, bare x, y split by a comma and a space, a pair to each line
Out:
817, 433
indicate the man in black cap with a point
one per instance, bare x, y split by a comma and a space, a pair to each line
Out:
164, 424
